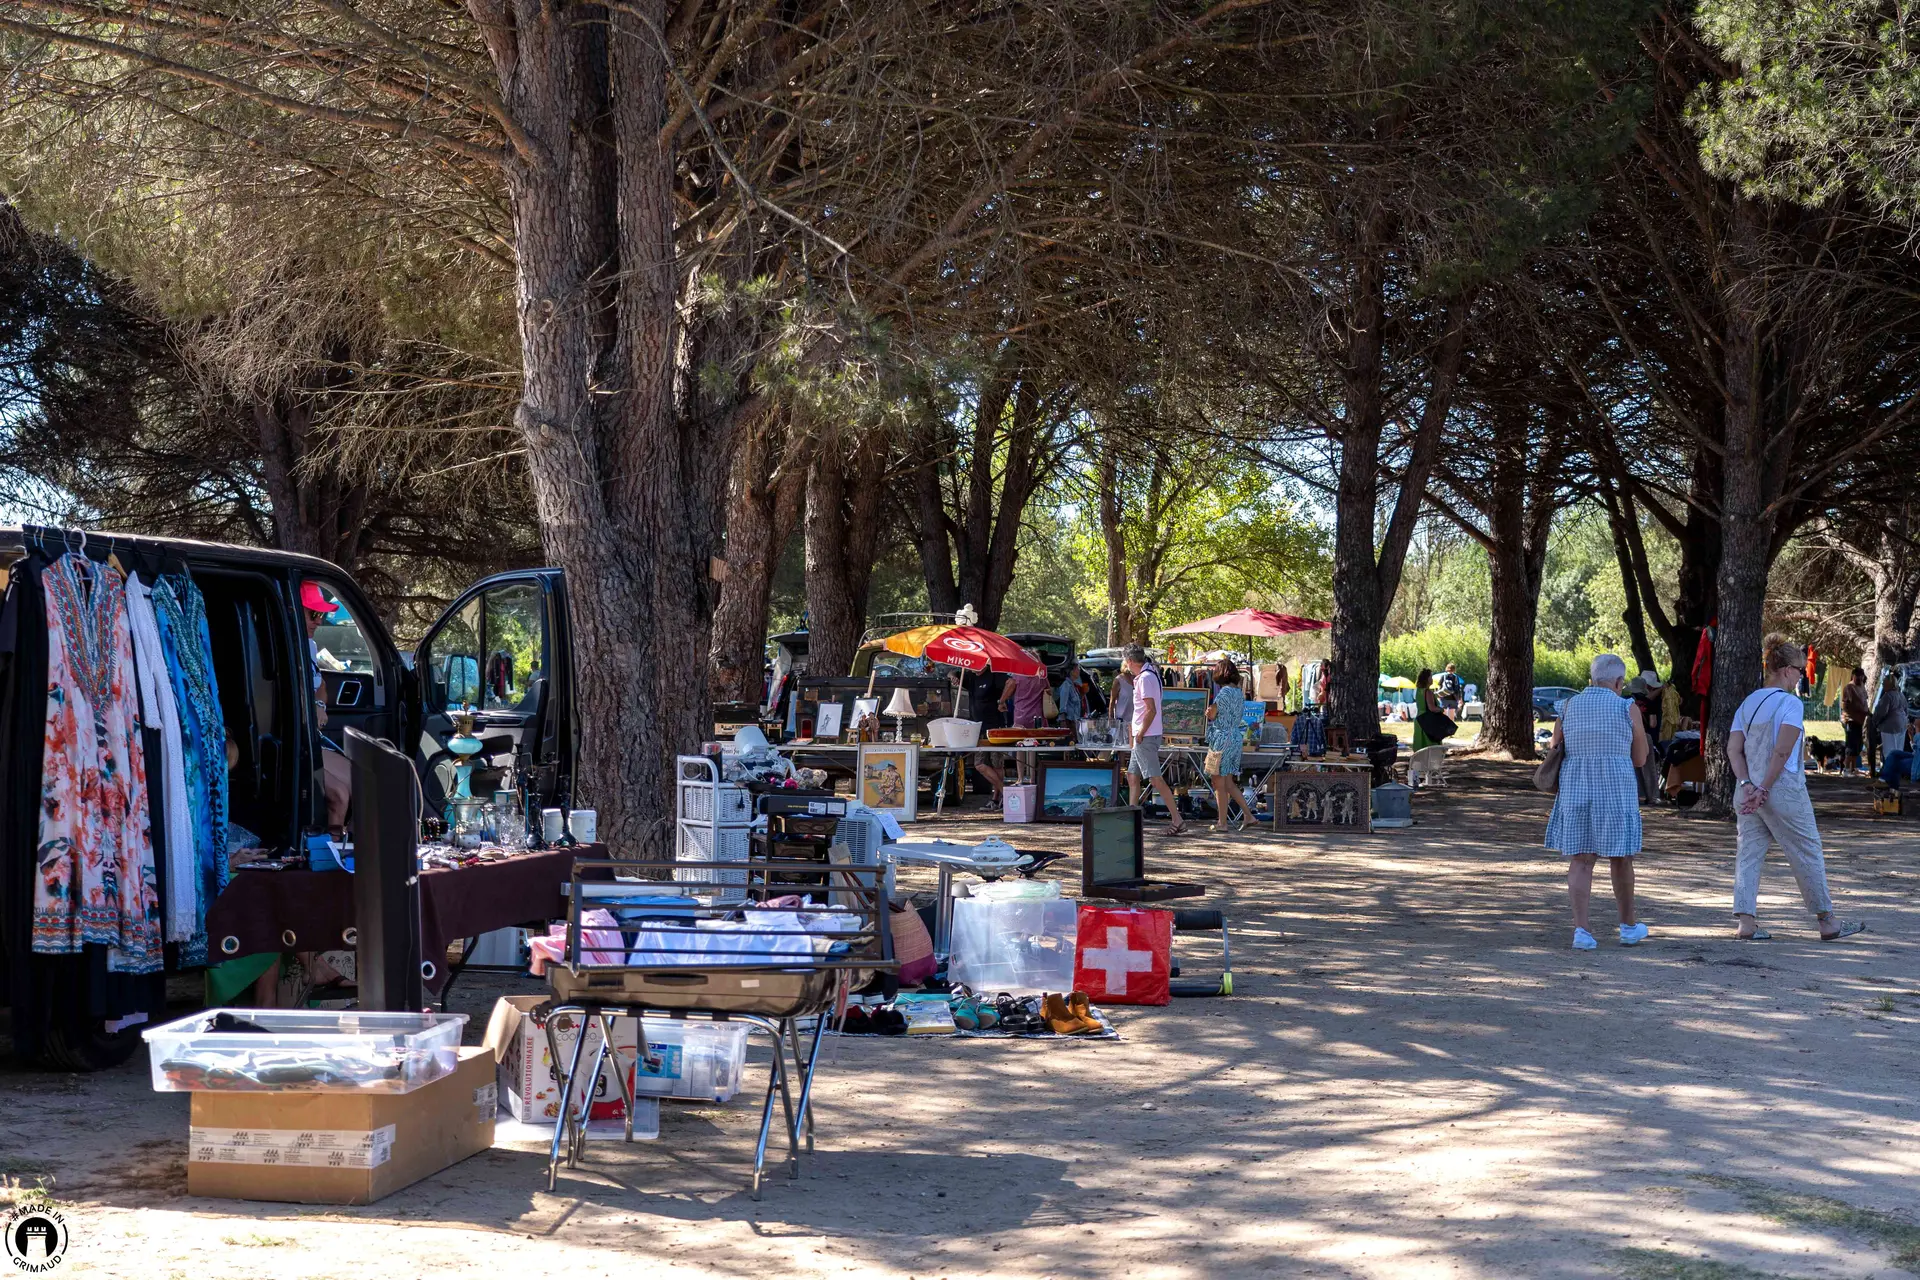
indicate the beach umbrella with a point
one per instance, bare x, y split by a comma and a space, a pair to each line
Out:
1395, 682
974, 648
1248, 622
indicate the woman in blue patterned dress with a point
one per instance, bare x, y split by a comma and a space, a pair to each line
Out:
1597, 811
1226, 733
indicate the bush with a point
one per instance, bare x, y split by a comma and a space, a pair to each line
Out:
1466, 648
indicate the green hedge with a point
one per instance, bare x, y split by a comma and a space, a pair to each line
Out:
1466, 648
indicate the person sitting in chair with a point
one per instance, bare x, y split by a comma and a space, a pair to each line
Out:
337, 775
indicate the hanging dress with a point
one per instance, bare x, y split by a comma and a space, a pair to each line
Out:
181, 615
95, 876
162, 714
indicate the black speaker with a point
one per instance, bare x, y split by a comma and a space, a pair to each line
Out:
386, 876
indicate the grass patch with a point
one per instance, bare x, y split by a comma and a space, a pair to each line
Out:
1898, 1236
259, 1242
1664, 1264
1884, 1004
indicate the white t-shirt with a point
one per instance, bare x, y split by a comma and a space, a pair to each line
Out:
1776, 709
1146, 685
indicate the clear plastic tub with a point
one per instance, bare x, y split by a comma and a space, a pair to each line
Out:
703, 1060
1014, 946
304, 1051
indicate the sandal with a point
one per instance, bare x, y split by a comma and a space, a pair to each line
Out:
965, 1014
1018, 1017
1846, 930
1758, 935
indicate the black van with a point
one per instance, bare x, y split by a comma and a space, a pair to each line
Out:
503, 650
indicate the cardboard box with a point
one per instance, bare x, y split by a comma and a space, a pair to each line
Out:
528, 1086
1019, 803
339, 1148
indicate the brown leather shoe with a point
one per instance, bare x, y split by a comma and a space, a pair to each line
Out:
1082, 1008
1060, 1020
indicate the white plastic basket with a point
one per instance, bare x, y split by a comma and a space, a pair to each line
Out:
698, 802
700, 842
951, 731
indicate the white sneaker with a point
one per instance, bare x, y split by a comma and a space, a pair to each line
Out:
1632, 935
1583, 941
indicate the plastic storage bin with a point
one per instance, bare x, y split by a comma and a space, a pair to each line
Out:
703, 1060
305, 1051
1014, 946
952, 731
699, 800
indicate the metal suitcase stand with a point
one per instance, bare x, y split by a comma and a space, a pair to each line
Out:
767, 966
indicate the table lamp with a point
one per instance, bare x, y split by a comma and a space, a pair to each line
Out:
900, 708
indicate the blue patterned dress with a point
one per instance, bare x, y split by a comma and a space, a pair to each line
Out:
1598, 807
1227, 731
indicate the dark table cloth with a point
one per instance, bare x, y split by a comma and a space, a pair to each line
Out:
312, 910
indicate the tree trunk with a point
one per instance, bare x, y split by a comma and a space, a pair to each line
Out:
844, 502
316, 510
1363, 587
1746, 534
763, 509
1507, 721
936, 547
629, 418
1114, 538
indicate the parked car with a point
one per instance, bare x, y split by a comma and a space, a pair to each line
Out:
1055, 651
1549, 700
502, 651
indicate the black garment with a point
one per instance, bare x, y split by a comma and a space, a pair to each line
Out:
984, 689
41, 988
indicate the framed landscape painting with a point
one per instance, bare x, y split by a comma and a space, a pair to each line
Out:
1183, 713
1066, 789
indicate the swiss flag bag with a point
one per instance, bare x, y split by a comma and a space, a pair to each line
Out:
1124, 956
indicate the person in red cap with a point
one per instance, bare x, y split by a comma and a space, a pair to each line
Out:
336, 773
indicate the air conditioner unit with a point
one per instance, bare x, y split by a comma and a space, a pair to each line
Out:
865, 837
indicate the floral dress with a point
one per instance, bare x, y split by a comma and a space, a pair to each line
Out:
1227, 731
95, 879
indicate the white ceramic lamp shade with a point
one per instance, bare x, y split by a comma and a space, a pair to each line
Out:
902, 704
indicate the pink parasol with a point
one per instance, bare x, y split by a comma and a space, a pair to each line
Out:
1248, 622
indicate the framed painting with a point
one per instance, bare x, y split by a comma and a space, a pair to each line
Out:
1322, 801
1183, 714
888, 778
1065, 790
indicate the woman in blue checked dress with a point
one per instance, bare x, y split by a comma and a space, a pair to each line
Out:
1597, 811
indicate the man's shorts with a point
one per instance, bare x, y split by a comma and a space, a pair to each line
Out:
1145, 760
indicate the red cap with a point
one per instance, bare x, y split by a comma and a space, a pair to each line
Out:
312, 598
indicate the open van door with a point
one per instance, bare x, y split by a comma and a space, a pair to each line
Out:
503, 652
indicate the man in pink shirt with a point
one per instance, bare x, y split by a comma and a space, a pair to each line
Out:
1144, 762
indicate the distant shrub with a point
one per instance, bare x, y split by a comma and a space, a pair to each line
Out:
1466, 648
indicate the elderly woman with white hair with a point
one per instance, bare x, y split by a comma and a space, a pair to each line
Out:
1596, 813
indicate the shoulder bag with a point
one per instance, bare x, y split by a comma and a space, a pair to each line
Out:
1546, 775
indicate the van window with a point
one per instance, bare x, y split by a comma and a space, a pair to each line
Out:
453, 660
514, 638
340, 645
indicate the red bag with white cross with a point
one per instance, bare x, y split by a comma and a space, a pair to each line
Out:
1124, 956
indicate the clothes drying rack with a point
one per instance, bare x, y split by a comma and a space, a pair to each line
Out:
761, 961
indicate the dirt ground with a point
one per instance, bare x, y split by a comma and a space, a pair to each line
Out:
1415, 1077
